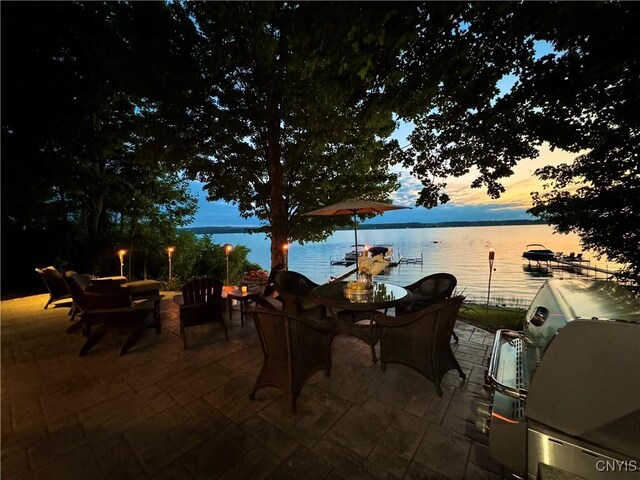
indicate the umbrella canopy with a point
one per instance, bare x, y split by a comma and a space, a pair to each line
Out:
354, 207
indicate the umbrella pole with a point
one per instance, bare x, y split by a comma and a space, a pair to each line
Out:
355, 221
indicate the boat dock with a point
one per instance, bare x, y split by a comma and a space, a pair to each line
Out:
578, 265
411, 261
337, 278
342, 262
394, 263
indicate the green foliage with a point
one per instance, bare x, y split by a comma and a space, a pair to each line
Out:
297, 109
587, 101
94, 122
582, 97
197, 256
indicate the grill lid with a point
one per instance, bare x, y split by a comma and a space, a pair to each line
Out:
600, 300
588, 385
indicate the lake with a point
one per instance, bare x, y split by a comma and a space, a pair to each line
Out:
462, 251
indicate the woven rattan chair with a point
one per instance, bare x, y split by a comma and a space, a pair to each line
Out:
294, 348
55, 283
200, 303
428, 291
421, 340
295, 291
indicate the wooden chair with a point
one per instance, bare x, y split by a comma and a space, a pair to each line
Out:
421, 340
200, 303
55, 283
294, 348
428, 291
294, 289
109, 309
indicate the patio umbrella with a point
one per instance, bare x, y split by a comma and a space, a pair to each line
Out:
354, 207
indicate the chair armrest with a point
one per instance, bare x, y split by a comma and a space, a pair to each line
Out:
268, 302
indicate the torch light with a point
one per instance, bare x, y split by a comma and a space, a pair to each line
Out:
492, 256
170, 251
285, 251
121, 254
228, 248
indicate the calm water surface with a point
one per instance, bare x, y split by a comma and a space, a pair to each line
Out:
462, 251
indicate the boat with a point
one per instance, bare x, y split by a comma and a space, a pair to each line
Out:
538, 253
350, 257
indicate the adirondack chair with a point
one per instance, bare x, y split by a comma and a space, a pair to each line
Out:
200, 303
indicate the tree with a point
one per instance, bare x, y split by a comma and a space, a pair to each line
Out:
94, 124
298, 108
583, 96
586, 99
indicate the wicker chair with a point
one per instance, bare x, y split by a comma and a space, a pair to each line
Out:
109, 308
421, 340
294, 348
200, 303
428, 291
55, 283
294, 290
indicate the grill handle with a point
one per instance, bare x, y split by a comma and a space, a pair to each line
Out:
494, 363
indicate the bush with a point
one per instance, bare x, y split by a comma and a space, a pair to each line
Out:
197, 256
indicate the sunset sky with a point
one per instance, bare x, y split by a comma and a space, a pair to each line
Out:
466, 204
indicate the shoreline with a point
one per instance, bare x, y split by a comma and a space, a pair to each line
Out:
379, 226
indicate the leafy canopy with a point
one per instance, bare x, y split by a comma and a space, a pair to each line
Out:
299, 114
582, 97
94, 122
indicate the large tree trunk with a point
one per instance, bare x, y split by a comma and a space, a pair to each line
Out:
278, 211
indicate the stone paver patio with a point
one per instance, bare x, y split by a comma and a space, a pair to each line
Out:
165, 413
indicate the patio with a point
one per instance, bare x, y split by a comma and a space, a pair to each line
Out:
162, 412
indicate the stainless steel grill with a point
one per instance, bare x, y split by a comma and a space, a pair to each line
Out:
565, 392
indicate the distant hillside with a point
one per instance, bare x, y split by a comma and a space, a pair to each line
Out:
479, 223
381, 226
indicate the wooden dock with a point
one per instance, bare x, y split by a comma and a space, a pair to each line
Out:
580, 265
348, 272
411, 261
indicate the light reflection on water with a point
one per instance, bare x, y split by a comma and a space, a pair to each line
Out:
462, 251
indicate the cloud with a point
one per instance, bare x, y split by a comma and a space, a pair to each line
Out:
518, 186
466, 204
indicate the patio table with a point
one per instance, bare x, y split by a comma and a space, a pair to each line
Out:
383, 297
242, 298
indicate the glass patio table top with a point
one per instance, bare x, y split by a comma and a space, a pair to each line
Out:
383, 295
